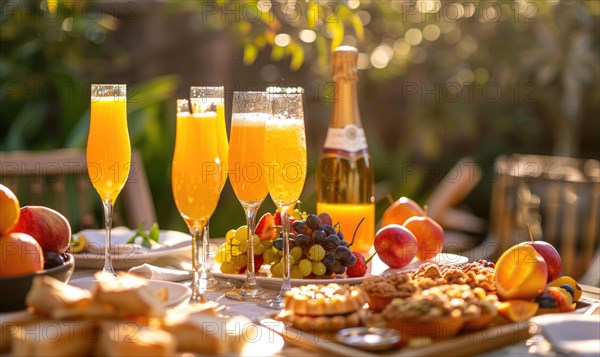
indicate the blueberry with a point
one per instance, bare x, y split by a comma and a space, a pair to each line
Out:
568, 288
52, 259
546, 301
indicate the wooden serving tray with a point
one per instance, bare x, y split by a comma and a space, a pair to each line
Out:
498, 333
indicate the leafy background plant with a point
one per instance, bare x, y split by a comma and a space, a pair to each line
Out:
429, 69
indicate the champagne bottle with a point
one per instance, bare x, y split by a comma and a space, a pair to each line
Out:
345, 181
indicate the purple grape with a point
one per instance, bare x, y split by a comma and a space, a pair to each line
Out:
326, 218
319, 236
313, 221
328, 229
332, 241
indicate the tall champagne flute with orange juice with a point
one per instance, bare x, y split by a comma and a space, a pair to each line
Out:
108, 152
212, 99
196, 182
250, 111
285, 159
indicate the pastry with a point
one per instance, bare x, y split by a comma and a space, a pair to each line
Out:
328, 307
382, 289
128, 338
55, 338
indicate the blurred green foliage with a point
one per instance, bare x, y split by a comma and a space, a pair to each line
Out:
431, 69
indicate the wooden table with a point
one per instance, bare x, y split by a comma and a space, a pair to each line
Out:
310, 346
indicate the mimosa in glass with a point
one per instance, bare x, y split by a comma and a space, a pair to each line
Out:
108, 151
196, 182
212, 100
285, 158
246, 172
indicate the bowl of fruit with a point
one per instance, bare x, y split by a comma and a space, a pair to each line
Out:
34, 241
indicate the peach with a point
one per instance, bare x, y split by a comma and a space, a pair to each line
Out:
20, 254
9, 209
395, 245
401, 210
429, 234
521, 273
50, 228
265, 229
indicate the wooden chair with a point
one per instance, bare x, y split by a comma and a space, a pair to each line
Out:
59, 179
558, 196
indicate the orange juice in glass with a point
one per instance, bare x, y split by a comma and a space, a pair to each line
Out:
285, 159
349, 215
211, 99
108, 151
196, 183
250, 111
246, 153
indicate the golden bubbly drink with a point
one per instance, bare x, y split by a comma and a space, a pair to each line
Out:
345, 182
195, 175
108, 147
222, 141
285, 159
246, 157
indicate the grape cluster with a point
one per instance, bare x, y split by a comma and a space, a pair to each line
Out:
317, 248
233, 257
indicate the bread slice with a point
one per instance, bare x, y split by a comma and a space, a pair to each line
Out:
7, 324
209, 334
47, 295
54, 338
128, 338
127, 294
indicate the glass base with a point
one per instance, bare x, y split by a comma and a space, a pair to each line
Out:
275, 303
246, 294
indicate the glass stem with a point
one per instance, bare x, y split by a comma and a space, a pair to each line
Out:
198, 266
108, 212
251, 212
205, 243
285, 219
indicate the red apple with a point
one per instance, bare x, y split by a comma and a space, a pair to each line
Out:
49, 228
401, 210
395, 245
265, 229
429, 234
550, 255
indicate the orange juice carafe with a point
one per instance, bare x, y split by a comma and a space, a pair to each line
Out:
345, 182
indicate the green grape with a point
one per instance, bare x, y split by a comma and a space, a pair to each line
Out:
243, 246
255, 239
277, 270
277, 258
259, 248
295, 273
235, 250
268, 243
240, 260
296, 214
305, 267
292, 260
316, 253
229, 236
318, 268
296, 252
241, 234
222, 256
304, 215
268, 256
228, 268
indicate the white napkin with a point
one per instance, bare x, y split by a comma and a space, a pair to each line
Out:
153, 272
120, 235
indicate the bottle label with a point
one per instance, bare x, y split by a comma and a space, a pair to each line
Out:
350, 139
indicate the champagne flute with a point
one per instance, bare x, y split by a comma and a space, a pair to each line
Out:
108, 151
285, 159
246, 153
196, 182
212, 99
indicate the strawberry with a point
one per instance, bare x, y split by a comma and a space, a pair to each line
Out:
359, 269
278, 218
258, 262
265, 229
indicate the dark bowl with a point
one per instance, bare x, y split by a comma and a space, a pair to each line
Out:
13, 290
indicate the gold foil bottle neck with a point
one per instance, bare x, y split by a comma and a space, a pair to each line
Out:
344, 63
